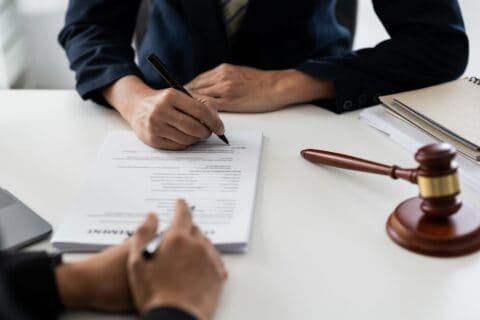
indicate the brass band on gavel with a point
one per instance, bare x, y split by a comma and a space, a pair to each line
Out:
432, 187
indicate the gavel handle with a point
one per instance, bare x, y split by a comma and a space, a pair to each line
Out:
351, 163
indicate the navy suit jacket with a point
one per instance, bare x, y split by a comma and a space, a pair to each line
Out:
28, 290
427, 44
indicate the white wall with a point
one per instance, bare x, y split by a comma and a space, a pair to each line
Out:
48, 66
12, 50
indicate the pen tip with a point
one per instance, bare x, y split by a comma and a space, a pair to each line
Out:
224, 139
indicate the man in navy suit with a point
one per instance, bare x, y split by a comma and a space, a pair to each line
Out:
252, 56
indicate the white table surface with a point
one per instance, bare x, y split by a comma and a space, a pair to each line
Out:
319, 248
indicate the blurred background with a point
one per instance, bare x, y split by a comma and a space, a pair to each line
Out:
31, 58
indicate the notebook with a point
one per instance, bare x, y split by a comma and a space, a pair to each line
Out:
450, 112
398, 111
130, 179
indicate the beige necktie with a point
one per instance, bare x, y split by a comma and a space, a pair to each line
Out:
233, 14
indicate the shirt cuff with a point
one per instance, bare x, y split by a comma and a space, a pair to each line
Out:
167, 313
31, 281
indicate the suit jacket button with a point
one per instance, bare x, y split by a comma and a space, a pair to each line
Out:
362, 100
348, 105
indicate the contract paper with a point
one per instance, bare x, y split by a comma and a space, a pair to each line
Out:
130, 179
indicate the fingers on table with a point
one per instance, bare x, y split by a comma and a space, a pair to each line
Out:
218, 104
205, 79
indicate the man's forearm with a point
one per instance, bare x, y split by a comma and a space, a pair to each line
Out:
125, 93
73, 286
295, 87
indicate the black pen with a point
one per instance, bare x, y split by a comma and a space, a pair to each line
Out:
153, 245
172, 82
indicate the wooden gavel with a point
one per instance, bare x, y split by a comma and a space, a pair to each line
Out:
434, 223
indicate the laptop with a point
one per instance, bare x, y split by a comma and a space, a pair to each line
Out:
19, 225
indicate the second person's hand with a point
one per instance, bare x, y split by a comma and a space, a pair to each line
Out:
186, 271
79, 286
164, 119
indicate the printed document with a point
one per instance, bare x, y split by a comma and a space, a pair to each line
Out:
130, 179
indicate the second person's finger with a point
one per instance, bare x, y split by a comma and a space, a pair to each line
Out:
182, 218
145, 233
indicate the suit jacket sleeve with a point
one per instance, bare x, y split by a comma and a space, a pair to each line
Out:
97, 38
167, 313
30, 285
428, 45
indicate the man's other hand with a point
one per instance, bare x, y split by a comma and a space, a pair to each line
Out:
234, 88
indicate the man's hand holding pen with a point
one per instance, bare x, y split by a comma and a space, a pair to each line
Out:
164, 119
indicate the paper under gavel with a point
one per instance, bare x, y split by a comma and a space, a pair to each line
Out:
436, 222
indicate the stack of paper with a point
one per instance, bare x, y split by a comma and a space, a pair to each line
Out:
130, 179
450, 112
411, 138
397, 110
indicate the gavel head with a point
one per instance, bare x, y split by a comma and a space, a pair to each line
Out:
437, 178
